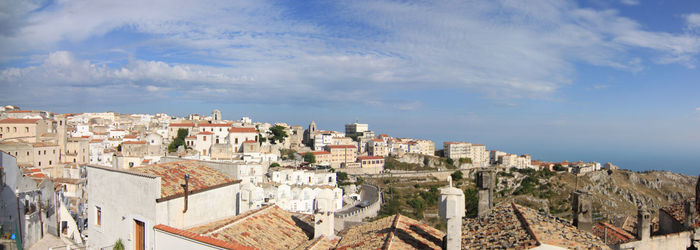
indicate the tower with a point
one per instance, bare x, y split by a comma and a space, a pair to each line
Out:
61, 131
583, 212
312, 127
216, 115
451, 208
324, 220
484, 183
643, 223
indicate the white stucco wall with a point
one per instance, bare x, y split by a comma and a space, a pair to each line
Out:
123, 198
168, 241
203, 207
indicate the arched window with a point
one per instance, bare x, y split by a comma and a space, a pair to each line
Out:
26, 129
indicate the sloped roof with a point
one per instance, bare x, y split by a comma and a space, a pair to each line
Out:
269, 227
394, 232
677, 211
173, 174
500, 229
242, 130
612, 234
19, 121
554, 231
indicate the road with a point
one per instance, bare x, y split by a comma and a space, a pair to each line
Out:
367, 193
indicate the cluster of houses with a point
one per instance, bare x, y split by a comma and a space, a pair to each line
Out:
101, 179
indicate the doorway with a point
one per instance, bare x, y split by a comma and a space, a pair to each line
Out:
140, 243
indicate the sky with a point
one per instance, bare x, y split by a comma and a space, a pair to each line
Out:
590, 80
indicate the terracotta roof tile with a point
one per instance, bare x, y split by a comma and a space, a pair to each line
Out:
554, 231
242, 130
500, 229
266, 228
172, 175
19, 121
394, 232
134, 142
201, 238
611, 234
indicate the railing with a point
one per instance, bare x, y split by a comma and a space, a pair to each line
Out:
373, 205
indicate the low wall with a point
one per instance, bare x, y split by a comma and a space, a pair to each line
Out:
356, 217
361, 171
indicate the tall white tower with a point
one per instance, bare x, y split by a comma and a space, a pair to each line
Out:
451, 208
324, 218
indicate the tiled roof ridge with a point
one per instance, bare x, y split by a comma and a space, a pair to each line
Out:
201, 238
124, 171
242, 217
314, 242
390, 237
618, 230
525, 223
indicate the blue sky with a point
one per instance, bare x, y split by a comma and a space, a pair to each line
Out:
562, 80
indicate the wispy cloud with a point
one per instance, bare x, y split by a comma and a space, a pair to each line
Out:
258, 51
630, 2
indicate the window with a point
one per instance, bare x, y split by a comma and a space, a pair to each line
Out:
49, 162
204, 151
54, 151
98, 216
131, 164
15, 129
39, 164
205, 138
27, 153
26, 129
38, 152
236, 141
44, 152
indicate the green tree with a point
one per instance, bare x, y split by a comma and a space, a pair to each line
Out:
179, 140
450, 161
457, 175
359, 181
309, 157
426, 161
274, 165
278, 134
342, 176
471, 202
418, 206
465, 160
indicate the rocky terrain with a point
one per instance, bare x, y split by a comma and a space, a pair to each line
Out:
615, 194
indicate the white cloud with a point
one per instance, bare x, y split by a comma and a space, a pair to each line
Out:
630, 2
503, 49
692, 21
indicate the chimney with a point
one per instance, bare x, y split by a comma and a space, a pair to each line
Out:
484, 183
186, 186
324, 218
690, 214
643, 223
451, 208
583, 212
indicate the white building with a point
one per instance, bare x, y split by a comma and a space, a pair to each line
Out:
126, 204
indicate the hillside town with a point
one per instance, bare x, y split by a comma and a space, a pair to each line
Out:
143, 181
